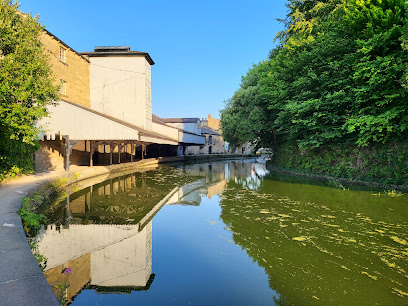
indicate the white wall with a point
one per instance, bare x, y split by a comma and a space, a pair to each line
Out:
194, 128
170, 132
121, 87
190, 138
120, 254
80, 124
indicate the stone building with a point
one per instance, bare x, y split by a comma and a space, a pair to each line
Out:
214, 144
105, 112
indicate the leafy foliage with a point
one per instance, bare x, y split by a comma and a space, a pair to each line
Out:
31, 220
26, 88
30, 209
41, 259
337, 76
381, 164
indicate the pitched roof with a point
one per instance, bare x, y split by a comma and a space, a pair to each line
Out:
180, 120
157, 119
65, 45
125, 123
207, 130
117, 51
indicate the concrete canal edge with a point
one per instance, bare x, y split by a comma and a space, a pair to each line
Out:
21, 280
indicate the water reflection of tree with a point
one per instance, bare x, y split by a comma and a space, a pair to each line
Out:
313, 247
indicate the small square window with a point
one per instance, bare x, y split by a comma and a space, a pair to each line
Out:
63, 88
62, 55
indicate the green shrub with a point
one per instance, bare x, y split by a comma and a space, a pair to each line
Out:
387, 164
29, 211
31, 219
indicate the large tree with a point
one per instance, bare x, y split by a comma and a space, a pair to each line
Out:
26, 88
337, 76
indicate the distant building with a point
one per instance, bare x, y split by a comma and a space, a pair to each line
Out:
246, 148
214, 144
189, 129
218, 143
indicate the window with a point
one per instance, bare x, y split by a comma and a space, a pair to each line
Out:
62, 55
63, 88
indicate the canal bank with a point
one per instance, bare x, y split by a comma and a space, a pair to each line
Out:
338, 181
21, 280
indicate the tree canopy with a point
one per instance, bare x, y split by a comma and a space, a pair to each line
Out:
26, 87
337, 75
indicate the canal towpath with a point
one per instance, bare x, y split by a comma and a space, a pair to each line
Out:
21, 280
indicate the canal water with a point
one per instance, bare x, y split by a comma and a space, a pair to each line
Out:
226, 233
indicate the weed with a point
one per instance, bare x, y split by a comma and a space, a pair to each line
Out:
41, 259
63, 287
31, 219
29, 211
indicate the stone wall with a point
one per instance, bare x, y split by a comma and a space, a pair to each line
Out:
75, 70
213, 123
246, 148
192, 150
79, 155
49, 157
217, 147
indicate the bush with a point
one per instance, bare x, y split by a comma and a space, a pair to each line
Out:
387, 164
29, 212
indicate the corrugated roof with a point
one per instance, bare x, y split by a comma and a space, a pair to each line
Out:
141, 131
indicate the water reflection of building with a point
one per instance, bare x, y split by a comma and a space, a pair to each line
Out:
188, 194
103, 256
218, 173
106, 236
214, 179
122, 200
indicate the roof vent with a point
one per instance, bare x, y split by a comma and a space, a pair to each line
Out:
112, 49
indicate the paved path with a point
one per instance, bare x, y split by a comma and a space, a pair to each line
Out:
21, 280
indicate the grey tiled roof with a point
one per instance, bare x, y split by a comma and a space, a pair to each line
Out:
180, 120
207, 130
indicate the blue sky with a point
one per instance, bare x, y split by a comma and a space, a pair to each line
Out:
201, 48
